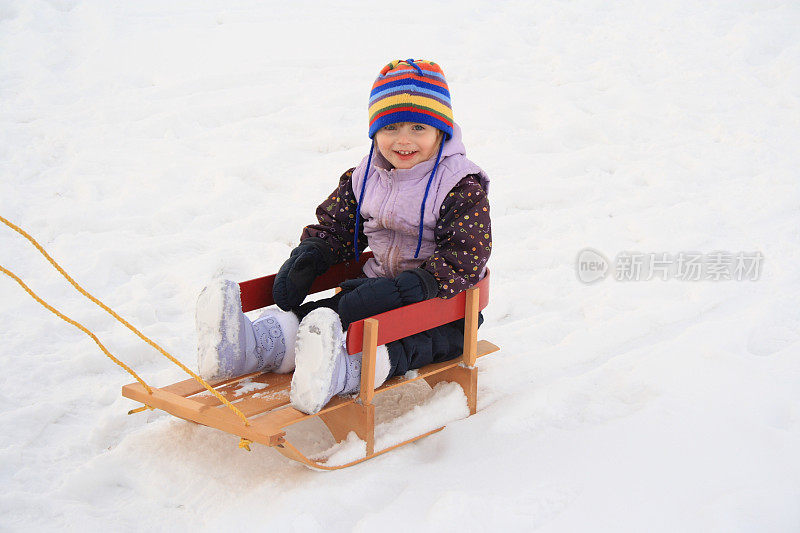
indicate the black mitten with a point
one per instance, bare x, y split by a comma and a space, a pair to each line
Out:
365, 297
311, 258
416, 285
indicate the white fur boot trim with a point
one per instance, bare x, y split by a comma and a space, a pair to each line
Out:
289, 324
382, 365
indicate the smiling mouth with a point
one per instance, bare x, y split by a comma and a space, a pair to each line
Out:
405, 153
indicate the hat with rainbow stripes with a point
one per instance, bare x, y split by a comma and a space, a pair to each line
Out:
410, 90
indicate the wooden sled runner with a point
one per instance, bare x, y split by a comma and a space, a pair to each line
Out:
268, 409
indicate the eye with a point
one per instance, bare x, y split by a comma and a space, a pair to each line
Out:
419, 127
390, 127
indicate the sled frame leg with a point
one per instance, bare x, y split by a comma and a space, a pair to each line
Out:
354, 417
465, 374
466, 377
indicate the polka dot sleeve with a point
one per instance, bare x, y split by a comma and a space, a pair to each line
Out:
463, 238
336, 218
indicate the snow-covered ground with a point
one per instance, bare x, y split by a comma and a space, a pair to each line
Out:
152, 145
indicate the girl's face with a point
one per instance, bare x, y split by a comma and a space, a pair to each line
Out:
404, 144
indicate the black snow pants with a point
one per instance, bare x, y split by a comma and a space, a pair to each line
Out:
432, 346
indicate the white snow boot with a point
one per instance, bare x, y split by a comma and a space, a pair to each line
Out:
323, 367
230, 345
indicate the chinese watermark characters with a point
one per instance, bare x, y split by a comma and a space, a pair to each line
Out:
592, 266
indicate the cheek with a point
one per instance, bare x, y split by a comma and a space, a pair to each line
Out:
383, 145
432, 145
386, 150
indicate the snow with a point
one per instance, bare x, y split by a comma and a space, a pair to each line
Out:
444, 404
152, 147
247, 385
350, 449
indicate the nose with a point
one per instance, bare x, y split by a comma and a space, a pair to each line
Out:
403, 137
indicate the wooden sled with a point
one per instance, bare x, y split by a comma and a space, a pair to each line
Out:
268, 408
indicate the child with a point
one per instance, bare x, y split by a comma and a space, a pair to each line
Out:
421, 207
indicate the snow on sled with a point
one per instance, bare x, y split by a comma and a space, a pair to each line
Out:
265, 410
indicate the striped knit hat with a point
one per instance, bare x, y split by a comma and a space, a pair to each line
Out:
409, 90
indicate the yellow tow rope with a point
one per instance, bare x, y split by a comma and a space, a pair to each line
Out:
110, 312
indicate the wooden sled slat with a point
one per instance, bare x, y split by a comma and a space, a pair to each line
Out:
189, 409
190, 386
286, 415
254, 406
273, 383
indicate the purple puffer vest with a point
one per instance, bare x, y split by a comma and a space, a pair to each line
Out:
392, 202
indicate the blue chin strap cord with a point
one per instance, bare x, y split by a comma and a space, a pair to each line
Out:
361, 199
425, 198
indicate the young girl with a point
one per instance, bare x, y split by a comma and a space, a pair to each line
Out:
421, 207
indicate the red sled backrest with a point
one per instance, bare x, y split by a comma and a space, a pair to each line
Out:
414, 318
257, 293
393, 325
